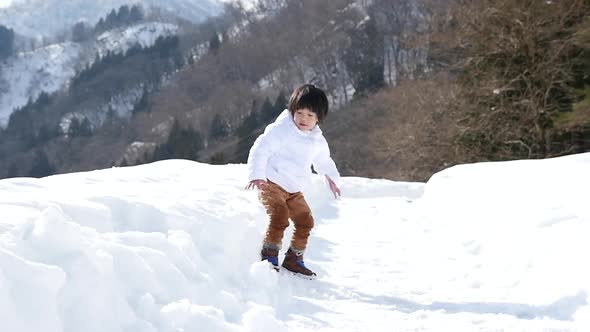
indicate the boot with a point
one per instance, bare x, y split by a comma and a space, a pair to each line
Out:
294, 262
271, 255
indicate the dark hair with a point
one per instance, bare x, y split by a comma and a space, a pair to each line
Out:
311, 97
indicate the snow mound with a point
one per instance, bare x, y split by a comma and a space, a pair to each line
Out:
174, 246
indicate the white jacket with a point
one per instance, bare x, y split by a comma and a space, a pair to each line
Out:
284, 154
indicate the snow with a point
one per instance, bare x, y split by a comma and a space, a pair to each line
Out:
49, 69
35, 18
121, 39
173, 246
28, 74
5, 3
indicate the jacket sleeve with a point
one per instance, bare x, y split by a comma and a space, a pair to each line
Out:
324, 164
264, 146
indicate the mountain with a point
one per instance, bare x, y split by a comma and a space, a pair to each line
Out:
397, 108
174, 246
47, 17
25, 76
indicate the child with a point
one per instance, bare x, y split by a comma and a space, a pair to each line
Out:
280, 163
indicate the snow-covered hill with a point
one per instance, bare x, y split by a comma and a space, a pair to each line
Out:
173, 246
48, 69
121, 39
26, 75
47, 17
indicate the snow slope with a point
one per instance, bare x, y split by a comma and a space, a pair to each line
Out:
122, 39
47, 17
23, 77
5, 3
173, 246
26, 75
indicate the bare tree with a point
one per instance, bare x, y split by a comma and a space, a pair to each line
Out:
517, 62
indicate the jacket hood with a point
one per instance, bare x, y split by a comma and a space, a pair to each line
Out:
285, 118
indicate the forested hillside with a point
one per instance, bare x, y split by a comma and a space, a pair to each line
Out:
414, 86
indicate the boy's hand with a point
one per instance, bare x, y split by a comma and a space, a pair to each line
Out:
258, 184
333, 187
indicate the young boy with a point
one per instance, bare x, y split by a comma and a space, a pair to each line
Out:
280, 163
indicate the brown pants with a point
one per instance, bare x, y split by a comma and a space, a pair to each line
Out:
280, 206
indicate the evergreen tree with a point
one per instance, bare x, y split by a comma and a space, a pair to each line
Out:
134, 50
247, 133
111, 20
100, 26
74, 128
20, 124
79, 32
280, 103
267, 112
136, 14
250, 123
143, 102
45, 134
181, 144
85, 128
41, 166
43, 100
6, 42
219, 128
123, 15
166, 47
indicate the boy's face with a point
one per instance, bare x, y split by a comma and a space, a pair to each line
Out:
305, 119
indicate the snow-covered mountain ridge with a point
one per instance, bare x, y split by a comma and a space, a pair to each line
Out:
120, 40
48, 69
47, 17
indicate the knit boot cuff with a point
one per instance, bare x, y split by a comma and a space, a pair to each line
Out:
298, 252
272, 246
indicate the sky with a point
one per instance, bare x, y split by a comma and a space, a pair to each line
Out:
174, 246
